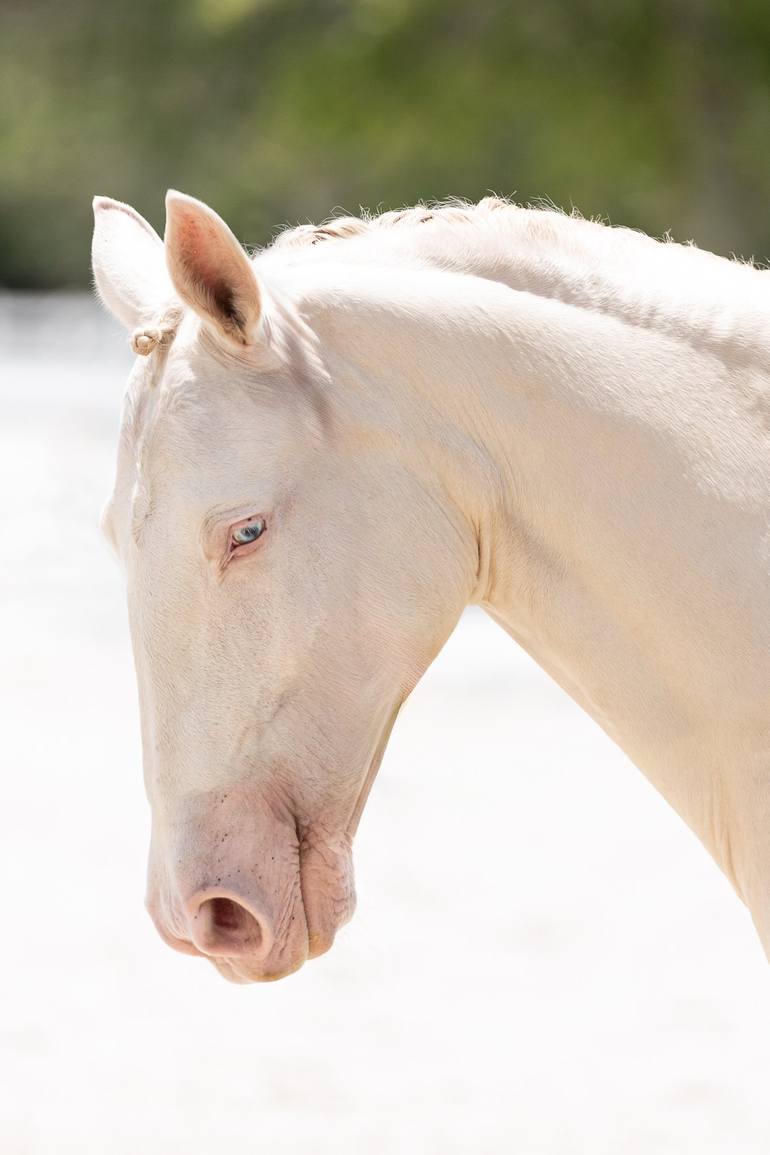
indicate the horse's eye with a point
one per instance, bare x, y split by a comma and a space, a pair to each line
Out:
248, 532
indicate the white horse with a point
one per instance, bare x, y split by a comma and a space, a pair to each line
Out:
329, 450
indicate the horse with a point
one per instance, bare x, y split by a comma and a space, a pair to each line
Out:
330, 447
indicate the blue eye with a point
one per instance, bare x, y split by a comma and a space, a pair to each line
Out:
247, 533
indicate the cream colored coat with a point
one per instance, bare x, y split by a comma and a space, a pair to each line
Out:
566, 424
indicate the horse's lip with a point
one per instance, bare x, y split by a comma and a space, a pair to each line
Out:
241, 969
371, 773
318, 944
236, 970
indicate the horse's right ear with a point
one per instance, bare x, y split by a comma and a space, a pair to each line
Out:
129, 263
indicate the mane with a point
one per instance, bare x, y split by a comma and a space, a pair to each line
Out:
542, 218
655, 283
452, 211
679, 289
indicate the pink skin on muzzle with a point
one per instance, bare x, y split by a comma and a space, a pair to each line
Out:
242, 882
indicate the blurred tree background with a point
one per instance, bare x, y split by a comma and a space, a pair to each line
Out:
653, 113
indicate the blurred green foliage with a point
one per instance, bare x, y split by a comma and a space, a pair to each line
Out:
654, 113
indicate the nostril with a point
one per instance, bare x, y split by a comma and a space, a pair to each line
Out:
226, 914
223, 926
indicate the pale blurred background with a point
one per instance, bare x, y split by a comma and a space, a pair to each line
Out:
544, 960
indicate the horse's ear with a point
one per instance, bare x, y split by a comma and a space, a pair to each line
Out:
127, 259
209, 269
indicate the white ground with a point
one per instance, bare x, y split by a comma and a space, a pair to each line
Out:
544, 961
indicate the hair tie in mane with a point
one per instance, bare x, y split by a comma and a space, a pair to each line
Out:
143, 341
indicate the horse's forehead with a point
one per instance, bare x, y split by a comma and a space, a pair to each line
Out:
165, 386
145, 402
192, 431
199, 428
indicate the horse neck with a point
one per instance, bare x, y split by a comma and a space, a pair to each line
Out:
673, 287
605, 467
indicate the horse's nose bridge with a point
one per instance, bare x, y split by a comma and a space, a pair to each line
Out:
177, 730
186, 718
188, 736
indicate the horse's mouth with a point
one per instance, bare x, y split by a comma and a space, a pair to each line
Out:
262, 925
243, 970
235, 971
244, 883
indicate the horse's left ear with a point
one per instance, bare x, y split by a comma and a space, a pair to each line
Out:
209, 269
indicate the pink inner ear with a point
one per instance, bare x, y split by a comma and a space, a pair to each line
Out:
199, 252
208, 262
